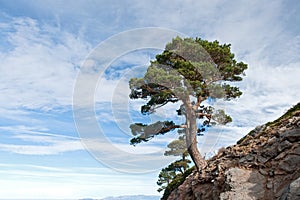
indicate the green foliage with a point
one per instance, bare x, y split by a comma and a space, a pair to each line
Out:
180, 166
177, 148
165, 177
145, 132
187, 67
176, 182
221, 117
171, 172
167, 174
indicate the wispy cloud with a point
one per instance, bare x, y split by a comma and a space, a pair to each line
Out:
38, 182
56, 148
38, 71
33, 141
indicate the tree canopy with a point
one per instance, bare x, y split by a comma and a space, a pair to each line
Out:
190, 71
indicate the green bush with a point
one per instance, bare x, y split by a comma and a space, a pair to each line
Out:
176, 182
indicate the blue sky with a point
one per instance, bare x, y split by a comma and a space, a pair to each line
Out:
45, 45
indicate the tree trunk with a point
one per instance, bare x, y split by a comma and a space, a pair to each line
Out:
184, 163
191, 139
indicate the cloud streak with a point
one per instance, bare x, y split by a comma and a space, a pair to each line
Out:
32, 141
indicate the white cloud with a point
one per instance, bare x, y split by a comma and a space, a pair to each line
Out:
268, 91
125, 158
39, 70
44, 143
39, 182
56, 148
39, 131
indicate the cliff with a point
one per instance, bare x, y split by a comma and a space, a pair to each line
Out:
265, 164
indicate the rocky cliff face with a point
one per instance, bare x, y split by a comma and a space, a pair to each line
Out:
265, 164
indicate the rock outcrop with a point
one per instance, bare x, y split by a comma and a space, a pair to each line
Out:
265, 164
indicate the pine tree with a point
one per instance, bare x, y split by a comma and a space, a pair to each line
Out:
190, 71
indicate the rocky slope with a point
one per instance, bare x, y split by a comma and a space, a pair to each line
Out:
265, 164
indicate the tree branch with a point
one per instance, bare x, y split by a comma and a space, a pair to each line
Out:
163, 130
199, 101
199, 115
147, 132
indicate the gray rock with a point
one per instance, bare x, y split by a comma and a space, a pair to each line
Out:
290, 163
293, 191
283, 145
262, 159
292, 135
243, 184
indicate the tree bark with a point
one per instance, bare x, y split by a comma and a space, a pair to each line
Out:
191, 139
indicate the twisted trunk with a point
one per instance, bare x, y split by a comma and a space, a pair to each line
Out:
191, 138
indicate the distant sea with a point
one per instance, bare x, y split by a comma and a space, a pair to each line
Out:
129, 197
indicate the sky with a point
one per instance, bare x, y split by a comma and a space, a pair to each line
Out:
64, 71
